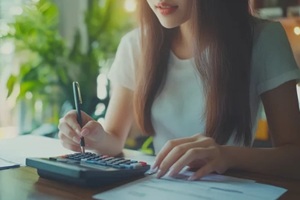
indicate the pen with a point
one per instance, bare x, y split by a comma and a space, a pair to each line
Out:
78, 103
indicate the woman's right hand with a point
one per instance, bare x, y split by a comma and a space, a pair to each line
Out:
70, 131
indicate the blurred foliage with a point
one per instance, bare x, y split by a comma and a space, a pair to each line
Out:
48, 67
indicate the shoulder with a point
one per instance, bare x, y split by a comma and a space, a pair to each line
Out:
273, 62
265, 32
132, 37
123, 68
263, 25
130, 44
270, 40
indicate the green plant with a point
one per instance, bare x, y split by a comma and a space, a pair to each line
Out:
48, 67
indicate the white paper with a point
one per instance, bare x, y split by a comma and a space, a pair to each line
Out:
18, 149
209, 187
4, 164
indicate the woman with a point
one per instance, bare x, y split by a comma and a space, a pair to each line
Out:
194, 76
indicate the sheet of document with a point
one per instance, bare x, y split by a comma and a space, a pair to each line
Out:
4, 164
18, 149
178, 188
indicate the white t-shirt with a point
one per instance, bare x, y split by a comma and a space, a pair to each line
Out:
179, 109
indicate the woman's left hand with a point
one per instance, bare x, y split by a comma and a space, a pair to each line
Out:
198, 152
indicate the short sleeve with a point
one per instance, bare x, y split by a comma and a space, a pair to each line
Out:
122, 70
273, 59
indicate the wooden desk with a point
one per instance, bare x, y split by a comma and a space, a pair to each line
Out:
24, 183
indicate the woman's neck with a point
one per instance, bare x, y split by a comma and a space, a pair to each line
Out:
182, 45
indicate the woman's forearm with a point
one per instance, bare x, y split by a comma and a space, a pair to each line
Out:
280, 161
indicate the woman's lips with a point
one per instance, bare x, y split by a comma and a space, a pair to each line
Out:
165, 8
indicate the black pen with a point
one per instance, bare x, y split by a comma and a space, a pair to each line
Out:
78, 103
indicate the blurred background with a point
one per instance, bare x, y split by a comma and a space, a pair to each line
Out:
47, 44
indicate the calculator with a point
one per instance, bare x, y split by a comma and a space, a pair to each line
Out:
89, 169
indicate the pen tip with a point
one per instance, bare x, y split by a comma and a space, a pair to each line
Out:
82, 142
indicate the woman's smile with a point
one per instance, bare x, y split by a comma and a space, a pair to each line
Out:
171, 13
166, 8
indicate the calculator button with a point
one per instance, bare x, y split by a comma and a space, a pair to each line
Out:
114, 160
120, 162
143, 163
103, 160
136, 165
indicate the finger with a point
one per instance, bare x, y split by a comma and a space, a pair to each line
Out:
180, 150
69, 144
203, 171
85, 117
93, 130
200, 154
174, 155
72, 147
168, 147
66, 130
75, 143
75, 139
71, 119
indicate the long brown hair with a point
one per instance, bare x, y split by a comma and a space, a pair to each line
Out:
223, 44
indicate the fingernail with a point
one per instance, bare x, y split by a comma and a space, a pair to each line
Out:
154, 168
84, 132
171, 172
154, 165
159, 174
77, 131
152, 171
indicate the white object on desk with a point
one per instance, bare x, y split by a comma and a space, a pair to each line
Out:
18, 149
4, 164
209, 187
